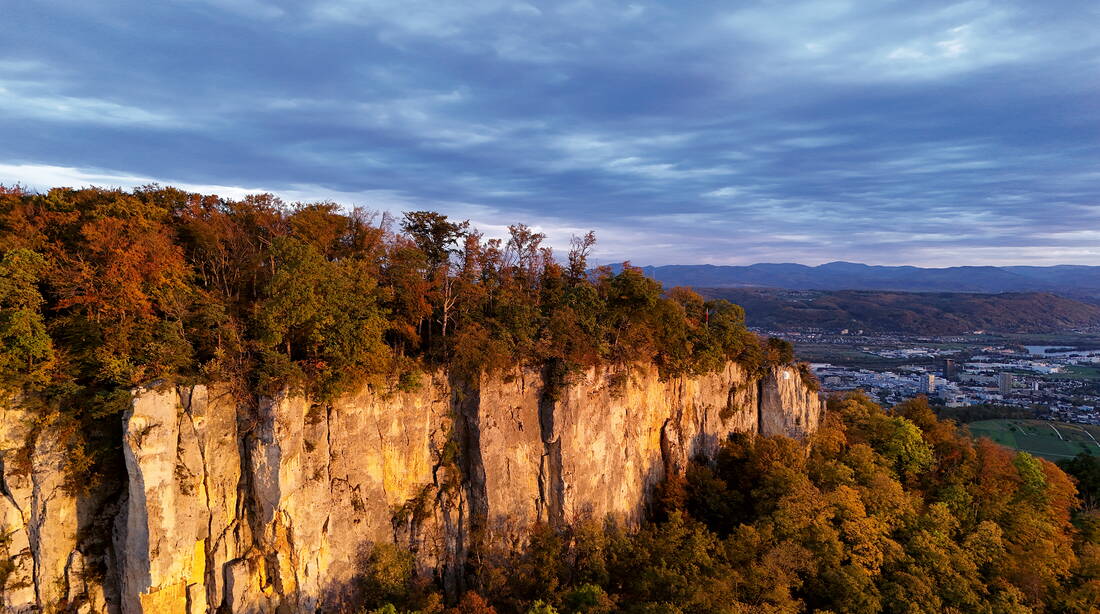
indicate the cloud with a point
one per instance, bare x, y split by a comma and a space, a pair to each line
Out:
40, 177
725, 192
942, 133
245, 8
77, 110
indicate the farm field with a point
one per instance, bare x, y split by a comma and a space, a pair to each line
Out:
1079, 372
844, 355
1051, 440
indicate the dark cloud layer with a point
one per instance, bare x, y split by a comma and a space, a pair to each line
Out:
931, 133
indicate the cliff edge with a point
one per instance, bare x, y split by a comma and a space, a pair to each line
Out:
231, 508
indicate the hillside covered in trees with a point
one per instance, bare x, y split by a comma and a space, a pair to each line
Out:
922, 313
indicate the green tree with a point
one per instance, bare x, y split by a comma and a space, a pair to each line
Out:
324, 317
903, 445
435, 235
541, 607
26, 350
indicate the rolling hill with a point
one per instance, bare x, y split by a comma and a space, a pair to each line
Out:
1067, 280
933, 313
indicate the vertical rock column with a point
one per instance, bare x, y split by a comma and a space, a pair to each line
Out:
621, 430
181, 521
787, 406
18, 594
510, 451
40, 520
331, 479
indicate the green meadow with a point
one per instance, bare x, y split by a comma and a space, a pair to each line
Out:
1051, 440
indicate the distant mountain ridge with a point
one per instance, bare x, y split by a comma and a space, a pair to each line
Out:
924, 313
1068, 280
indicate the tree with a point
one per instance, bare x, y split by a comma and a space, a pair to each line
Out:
472, 603
437, 239
1085, 470
904, 447
434, 235
580, 249
324, 317
541, 607
26, 350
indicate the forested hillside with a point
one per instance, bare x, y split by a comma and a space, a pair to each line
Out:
925, 313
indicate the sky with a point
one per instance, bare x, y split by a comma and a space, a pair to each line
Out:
931, 133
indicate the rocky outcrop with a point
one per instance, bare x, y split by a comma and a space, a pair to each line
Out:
233, 507
786, 405
329, 480
184, 509
41, 522
602, 446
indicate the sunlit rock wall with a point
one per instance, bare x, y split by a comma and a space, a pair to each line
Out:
274, 506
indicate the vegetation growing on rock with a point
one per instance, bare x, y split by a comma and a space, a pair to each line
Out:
886, 511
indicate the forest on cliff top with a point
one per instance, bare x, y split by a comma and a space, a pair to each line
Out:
102, 291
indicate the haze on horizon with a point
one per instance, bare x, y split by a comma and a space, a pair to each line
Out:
934, 134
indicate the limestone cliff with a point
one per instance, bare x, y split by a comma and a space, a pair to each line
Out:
273, 507
43, 565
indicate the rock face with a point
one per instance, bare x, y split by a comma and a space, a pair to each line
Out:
273, 508
43, 563
183, 509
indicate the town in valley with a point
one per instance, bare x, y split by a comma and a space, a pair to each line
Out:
1052, 377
